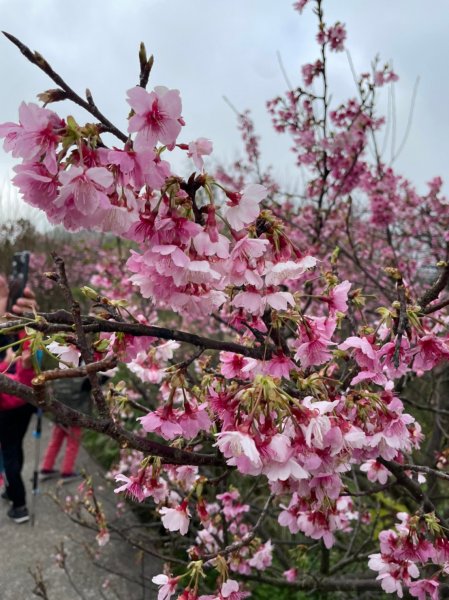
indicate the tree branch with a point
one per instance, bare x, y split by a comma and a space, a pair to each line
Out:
246, 540
438, 286
38, 60
61, 320
325, 584
68, 416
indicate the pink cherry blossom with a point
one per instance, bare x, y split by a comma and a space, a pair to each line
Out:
242, 209
255, 303
375, 471
300, 5
336, 36
201, 147
289, 270
167, 586
38, 186
291, 574
176, 519
232, 365
230, 590
139, 168
263, 557
163, 421
84, 190
338, 298
157, 117
103, 537
313, 346
429, 352
194, 419
235, 444
425, 588
36, 135
279, 366
311, 71
68, 355
133, 486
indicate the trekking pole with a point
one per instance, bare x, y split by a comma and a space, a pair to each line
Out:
37, 433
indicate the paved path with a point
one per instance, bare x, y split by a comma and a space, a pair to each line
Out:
24, 548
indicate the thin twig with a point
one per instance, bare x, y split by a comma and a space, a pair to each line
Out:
38, 60
247, 539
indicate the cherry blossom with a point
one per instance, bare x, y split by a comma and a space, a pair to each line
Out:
167, 586
68, 355
243, 208
197, 149
157, 117
286, 329
176, 519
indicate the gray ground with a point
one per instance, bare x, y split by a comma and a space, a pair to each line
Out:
24, 548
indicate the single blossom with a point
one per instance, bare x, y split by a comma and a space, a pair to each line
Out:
157, 117
263, 557
167, 586
176, 519
68, 355
201, 147
425, 588
242, 209
235, 444
289, 270
36, 137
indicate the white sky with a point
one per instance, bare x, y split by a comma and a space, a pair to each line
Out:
211, 48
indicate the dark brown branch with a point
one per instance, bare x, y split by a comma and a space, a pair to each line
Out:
438, 411
428, 470
325, 584
402, 322
434, 307
61, 320
82, 342
438, 286
68, 416
411, 486
191, 187
38, 60
40, 380
373, 490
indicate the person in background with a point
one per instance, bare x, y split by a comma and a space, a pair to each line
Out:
75, 393
15, 413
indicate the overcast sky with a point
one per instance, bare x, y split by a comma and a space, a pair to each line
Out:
211, 48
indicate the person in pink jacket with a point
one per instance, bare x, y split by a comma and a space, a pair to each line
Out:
15, 413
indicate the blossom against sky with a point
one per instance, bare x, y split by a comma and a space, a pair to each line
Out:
211, 48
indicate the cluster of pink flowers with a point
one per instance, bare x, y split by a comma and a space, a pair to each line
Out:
334, 36
306, 394
407, 549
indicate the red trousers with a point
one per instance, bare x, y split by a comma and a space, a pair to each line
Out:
73, 435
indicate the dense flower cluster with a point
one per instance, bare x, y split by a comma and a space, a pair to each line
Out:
326, 327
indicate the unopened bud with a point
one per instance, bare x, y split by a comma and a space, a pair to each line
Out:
142, 55
89, 292
51, 275
393, 273
40, 60
53, 95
